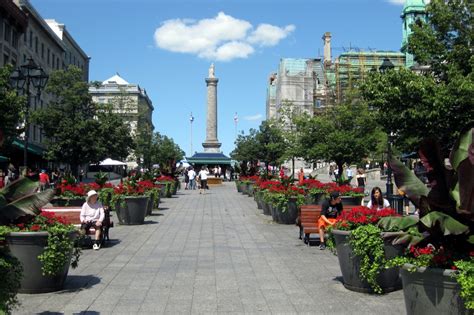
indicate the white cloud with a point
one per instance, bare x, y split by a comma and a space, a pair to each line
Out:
221, 38
253, 117
397, 2
269, 35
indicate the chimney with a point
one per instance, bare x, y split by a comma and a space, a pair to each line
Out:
327, 49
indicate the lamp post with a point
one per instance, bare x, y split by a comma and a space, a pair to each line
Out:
191, 119
22, 78
389, 184
384, 67
236, 120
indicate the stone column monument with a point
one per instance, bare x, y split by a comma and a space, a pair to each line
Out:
211, 144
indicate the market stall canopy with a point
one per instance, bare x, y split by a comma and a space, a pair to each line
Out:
110, 162
209, 158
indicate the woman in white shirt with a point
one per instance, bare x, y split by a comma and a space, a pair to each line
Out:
203, 176
92, 215
377, 201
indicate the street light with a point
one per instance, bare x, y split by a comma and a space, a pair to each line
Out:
236, 120
21, 78
389, 184
191, 119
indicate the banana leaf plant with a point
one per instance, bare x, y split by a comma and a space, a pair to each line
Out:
19, 201
446, 208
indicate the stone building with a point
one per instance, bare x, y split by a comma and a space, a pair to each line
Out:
129, 100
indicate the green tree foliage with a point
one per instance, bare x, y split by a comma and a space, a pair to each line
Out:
439, 102
270, 143
165, 152
345, 133
11, 108
77, 132
246, 150
143, 137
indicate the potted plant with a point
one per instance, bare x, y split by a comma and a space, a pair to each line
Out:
438, 266
153, 192
167, 183
314, 191
285, 202
349, 195
130, 203
265, 198
363, 248
42, 243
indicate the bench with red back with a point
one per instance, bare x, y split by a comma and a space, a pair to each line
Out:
309, 217
72, 215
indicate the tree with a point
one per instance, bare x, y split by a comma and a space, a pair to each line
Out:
165, 152
11, 108
345, 133
439, 102
270, 144
246, 150
77, 131
143, 138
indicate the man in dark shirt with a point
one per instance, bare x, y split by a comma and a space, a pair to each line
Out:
330, 210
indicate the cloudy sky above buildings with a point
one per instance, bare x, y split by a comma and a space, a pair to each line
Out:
166, 47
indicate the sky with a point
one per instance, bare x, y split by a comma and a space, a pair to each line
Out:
167, 46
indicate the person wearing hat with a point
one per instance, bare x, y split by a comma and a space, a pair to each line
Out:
92, 215
330, 210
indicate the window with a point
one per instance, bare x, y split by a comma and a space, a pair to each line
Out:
5, 59
47, 56
42, 50
14, 39
36, 44
24, 58
31, 39
34, 133
41, 135
57, 63
7, 32
53, 58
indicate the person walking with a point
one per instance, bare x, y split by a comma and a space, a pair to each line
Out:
192, 178
44, 180
203, 173
361, 178
349, 174
186, 180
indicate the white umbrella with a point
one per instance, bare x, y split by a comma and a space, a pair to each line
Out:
110, 162
183, 164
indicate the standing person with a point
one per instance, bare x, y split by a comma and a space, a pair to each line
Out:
54, 178
203, 176
282, 172
336, 173
44, 180
215, 171
92, 215
349, 173
331, 171
186, 180
361, 178
377, 201
330, 210
219, 170
81, 175
192, 178
300, 177
2, 179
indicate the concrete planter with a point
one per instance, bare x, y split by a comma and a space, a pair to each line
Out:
431, 291
238, 184
389, 279
289, 216
313, 199
134, 210
250, 189
26, 247
266, 208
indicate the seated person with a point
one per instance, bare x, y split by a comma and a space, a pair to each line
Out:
92, 215
330, 210
377, 201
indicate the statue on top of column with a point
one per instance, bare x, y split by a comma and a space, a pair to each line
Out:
211, 71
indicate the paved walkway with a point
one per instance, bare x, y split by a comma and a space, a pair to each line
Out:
202, 254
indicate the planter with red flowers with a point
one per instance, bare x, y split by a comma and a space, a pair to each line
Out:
38, 246
349, 195
263, 197
74, 195
168, 185
130, 203
314, 189
284, 202
363, 249
153, 192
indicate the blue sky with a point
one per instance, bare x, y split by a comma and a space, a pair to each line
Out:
166, 46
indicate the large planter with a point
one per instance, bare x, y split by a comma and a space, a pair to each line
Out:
266, 208
68, 202
238, 184
313, 199
258, 199
351, 201
243, 188
132, 211
388, 279
431, 291
26, 247
250, 189
289, 216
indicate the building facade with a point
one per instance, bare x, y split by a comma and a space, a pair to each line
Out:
413, 10
130, 101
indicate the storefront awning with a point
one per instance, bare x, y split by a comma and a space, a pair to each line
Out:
32, 148
4, 159
209, 158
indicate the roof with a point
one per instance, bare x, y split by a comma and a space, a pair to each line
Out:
116, 79
209, 158
414, 6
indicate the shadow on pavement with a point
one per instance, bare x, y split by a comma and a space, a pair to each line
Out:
155, 214
76, 283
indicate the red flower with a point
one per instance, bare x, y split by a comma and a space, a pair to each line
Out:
35, 228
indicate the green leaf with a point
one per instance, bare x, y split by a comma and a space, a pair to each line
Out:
397, 223
471, 239
407, 182
27, 205
447, 224
460, 152
408, 239
18, 189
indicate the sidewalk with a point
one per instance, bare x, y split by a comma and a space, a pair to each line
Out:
212, 253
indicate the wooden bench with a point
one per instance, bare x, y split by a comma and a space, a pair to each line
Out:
72, 215
309, 217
